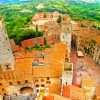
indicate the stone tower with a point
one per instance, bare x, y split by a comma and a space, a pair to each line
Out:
68, 26
66, 31
6, 56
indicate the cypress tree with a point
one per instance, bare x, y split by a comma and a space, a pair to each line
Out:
59, 19
45, 41
37, 31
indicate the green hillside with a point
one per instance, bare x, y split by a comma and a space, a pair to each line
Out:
18, 16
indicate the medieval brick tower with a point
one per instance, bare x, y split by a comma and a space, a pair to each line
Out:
6, 56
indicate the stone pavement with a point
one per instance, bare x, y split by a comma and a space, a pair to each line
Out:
85, 67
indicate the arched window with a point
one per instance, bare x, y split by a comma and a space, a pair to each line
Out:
37, 85
42, 85
36, 80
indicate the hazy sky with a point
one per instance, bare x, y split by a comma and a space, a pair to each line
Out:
13, 1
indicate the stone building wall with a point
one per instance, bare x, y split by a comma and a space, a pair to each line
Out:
6, 56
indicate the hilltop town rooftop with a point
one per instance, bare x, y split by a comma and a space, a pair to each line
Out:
26, 58
51, 62
44, 69
53, 66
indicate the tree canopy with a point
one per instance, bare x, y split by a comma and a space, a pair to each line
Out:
18, 16
23, 34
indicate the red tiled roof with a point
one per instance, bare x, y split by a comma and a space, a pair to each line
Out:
52, 64
36, 59
40, 15
26, 43
20, 48
50, 39
66, 91
13, 45
48, 98
33, 41
39, 39
9, 72
77, 85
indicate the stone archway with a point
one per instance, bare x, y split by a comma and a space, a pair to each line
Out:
26, 90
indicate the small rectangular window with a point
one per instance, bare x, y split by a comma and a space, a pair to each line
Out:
3, 89
48, 78
48, 82
36, 80
10, 83
26, 81
18, 82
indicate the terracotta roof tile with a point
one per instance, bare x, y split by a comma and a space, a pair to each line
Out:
13, 45
97, 39
26, 43
55, 63
33, 41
